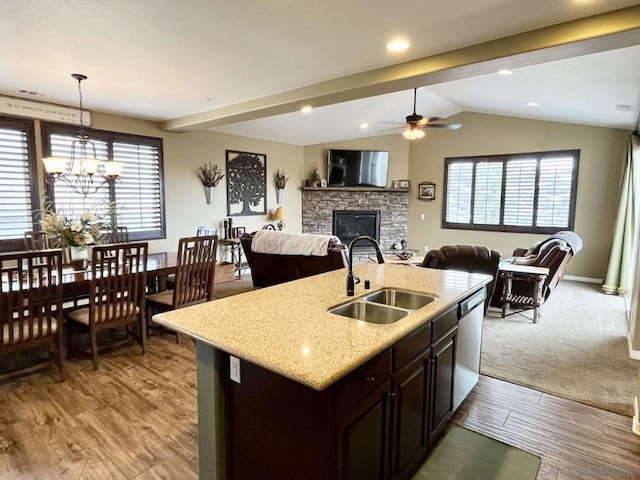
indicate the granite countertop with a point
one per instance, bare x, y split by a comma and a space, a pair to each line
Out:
287, 329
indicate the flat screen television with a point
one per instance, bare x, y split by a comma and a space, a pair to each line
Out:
358, 168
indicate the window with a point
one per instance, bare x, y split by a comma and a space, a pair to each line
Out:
138, 193
528, 193
18, 183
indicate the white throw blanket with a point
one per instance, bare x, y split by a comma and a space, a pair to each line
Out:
281, 243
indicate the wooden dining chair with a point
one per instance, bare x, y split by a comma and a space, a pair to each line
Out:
36, 240
31, 304
116, 294
116, 235
195, 271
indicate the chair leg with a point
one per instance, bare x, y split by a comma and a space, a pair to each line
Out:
143, 334
94, 348
61, 356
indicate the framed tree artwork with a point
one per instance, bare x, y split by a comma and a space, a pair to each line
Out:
246, 183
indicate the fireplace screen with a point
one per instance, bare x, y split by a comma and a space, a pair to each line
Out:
348, 224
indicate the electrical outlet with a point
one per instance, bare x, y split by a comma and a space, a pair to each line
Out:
234, 368
422, 216
426, 249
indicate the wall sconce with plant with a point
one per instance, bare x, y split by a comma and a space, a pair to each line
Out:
279, 181
210, 175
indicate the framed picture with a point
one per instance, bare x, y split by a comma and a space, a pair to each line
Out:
246, 183
395, 184
323, 182
237, 232
403, 184
427, 191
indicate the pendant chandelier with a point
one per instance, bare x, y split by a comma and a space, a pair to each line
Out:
82, 171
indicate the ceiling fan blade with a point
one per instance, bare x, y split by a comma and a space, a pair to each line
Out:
451, 126
393, 123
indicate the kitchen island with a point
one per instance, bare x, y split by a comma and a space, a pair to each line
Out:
299, 398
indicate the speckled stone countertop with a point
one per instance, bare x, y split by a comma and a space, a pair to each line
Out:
287, 329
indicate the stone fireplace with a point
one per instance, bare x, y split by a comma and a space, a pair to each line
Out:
348, 224
390, 204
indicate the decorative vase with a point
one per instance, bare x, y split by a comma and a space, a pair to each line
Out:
210, 192
79, 257
279, 193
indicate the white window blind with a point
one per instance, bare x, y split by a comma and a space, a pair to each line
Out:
16, 209
533, 193
137, 193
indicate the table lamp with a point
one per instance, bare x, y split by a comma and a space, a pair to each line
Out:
279, 216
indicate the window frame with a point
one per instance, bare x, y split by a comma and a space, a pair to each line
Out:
28, 126
49, 128
504, 158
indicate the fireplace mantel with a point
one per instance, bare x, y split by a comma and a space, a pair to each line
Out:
353, 189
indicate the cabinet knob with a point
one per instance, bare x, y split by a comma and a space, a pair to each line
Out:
392, 394
371, 379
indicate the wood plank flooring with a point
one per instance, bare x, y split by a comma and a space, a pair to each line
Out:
135, 418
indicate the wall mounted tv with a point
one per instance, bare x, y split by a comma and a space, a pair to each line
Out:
358, 168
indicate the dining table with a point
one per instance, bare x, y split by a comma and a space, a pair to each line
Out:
76, 283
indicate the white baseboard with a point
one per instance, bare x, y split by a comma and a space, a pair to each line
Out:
576, 278
633, 354
636, 426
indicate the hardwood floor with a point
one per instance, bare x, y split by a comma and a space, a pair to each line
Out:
135, 418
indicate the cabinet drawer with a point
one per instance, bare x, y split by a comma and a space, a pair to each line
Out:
443, 323
410, 346
360, 383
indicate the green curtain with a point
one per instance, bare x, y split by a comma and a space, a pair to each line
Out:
619, 279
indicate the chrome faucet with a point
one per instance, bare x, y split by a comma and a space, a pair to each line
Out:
351, 277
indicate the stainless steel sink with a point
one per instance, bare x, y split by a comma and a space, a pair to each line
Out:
387, 305
400, 298
370, 312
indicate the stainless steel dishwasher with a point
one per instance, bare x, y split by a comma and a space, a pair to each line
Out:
469, 344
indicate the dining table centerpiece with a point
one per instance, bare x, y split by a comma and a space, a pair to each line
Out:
74, 233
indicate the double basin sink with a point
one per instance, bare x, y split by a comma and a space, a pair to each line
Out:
384, 306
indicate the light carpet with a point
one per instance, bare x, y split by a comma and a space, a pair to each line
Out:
577, 351
477, 457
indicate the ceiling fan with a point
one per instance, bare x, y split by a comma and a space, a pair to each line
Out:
416, 124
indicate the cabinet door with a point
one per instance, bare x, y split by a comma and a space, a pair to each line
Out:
411, 393
362, 438
443, 364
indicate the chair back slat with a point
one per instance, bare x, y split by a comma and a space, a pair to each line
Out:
30, 297
118, 281
195, 270
36, 240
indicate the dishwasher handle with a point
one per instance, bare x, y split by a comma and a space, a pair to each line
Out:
471, 302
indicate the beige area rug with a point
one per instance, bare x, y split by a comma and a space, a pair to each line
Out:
233, 287
577, 351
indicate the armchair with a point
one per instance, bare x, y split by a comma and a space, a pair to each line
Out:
468, 258
553, 253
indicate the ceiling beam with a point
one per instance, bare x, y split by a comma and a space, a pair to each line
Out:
607, 31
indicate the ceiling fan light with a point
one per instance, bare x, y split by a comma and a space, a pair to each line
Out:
413, 134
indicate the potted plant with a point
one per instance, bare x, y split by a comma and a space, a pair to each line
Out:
210, 175
280, 181
315, 176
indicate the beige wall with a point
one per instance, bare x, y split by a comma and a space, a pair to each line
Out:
600, 170
396, 145
186, 207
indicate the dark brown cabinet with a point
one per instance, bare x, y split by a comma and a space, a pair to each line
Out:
362, 438
377, 423
442, 371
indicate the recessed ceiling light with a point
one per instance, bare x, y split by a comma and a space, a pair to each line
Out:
306, 109
397, 45
504, 71
364, 125
533, 104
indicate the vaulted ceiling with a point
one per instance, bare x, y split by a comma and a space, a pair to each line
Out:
248, 67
